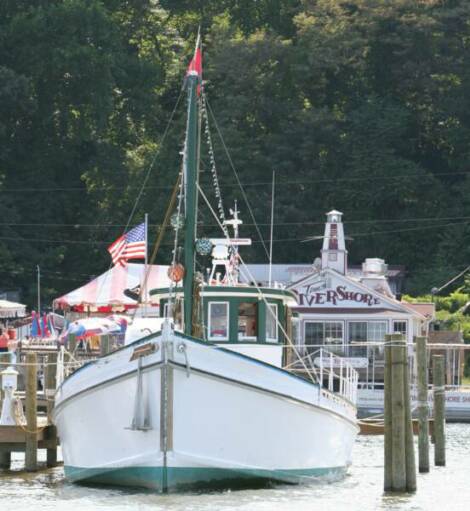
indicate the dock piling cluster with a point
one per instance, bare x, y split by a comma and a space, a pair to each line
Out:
400, 469
423, 406
439, 410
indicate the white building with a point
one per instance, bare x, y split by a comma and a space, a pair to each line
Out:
346, 310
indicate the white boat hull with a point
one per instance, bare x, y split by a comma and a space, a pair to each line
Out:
208, 417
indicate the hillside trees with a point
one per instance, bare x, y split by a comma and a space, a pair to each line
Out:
362, 106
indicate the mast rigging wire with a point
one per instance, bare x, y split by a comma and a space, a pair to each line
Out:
237, 178
289, 340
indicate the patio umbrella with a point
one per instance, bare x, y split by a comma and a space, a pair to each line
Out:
89, 327
35, 325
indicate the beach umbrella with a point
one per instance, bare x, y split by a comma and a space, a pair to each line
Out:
35, 325
50, 325
45, 326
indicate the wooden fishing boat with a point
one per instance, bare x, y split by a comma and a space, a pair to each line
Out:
208, 399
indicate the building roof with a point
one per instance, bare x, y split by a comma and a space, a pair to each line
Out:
427, 310
288, 273
445, 337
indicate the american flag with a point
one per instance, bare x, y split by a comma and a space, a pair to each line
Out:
131, 245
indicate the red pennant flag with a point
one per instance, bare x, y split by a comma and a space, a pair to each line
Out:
195, 66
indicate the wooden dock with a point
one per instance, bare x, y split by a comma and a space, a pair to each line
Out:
376, 426
34, 429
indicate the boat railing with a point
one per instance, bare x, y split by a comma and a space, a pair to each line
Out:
334, 373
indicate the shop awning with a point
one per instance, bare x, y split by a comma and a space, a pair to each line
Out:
12, 309
106, 292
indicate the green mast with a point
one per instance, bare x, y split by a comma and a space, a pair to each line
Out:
191, 171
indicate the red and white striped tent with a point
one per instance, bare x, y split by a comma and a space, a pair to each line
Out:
105, 293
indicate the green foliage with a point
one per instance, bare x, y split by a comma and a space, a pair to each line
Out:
449, 310
362, 106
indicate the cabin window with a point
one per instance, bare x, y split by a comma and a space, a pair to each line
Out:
247, 316
323, 333
400, 327
218, 321
271, 322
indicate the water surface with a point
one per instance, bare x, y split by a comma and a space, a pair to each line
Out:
444, 488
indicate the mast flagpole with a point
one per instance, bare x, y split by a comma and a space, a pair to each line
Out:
146, 268
272, 229
190, 175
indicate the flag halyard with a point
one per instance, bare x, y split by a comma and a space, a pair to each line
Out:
131, 245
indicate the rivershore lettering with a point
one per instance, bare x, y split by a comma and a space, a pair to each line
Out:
333, 296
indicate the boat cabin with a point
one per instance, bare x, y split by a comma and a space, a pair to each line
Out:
249, 320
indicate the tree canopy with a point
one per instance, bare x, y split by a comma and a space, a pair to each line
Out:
357, 105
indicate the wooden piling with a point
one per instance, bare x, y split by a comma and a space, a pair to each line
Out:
105, 345
439, 410
398, 418
409, 441
423, 406
388, 450
31, 454
49, 390
399, 463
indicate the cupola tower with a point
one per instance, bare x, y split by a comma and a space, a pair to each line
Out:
334, 254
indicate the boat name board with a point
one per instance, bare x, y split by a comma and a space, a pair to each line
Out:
144, 350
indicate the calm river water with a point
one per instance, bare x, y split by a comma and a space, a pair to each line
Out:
446, 488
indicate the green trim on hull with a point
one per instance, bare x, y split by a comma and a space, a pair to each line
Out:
187, 478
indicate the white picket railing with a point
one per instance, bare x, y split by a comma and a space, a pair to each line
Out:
334, 373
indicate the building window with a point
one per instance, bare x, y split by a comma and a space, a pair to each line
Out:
218, 321
322, 333
247, 316
271, 322
361, 332
400, 327
376, 331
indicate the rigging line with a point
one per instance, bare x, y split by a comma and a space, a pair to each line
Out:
245, 224
401, 220
161, 234
376, 233
173, 285
294, 348
259, 183
147, 176
452, 280
215, 178
152, 163
237, 178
